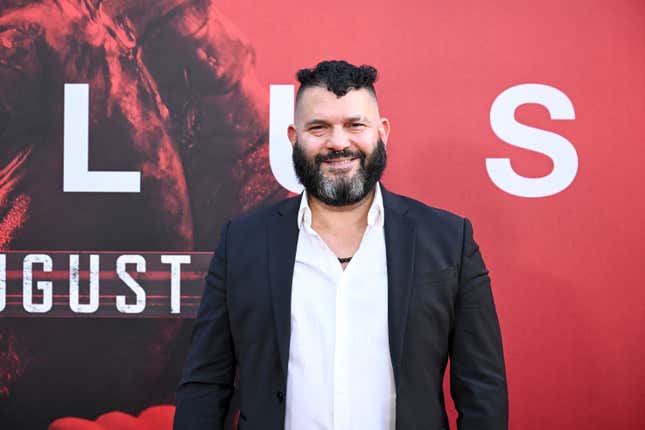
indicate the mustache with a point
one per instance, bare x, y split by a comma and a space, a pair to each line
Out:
345, 153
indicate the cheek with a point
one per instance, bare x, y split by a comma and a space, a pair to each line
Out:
312, 146
367, 142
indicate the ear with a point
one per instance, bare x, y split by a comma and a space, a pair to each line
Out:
384, 129
291, 132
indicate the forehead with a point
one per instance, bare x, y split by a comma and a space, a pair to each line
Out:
318, 102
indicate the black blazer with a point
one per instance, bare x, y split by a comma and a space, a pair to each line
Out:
439, 305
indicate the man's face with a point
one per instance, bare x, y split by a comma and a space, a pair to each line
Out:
339, 144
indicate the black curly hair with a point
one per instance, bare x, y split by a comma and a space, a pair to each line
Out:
337, 76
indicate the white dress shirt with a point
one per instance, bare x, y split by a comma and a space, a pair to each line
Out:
340, 372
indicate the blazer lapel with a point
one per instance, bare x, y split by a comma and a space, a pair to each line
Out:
399, 245
282, 241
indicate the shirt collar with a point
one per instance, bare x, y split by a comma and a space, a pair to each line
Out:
375, 215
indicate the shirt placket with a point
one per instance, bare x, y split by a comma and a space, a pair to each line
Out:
341, 351
340, 401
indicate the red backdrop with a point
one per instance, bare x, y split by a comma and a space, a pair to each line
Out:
566, 269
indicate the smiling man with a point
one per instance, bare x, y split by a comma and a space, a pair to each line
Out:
338, 309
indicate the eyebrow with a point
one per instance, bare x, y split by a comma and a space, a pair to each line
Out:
360, 118
316, 121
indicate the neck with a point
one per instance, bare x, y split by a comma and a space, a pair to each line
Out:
327, 217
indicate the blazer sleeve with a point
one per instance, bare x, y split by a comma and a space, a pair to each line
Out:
477, 371
207, 384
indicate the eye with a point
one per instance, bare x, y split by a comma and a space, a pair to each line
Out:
316, 127
357, 125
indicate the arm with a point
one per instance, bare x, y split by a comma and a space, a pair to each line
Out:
206, 387
477, 373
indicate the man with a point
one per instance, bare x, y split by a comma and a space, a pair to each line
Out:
339, 308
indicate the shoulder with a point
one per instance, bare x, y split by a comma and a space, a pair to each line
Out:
261, 215
420, 211
440, 234
435, 228
253, 223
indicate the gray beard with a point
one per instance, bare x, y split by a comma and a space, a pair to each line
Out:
353, 188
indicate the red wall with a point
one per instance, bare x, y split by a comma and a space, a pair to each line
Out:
566, 269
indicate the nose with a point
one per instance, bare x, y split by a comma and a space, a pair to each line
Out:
337, 139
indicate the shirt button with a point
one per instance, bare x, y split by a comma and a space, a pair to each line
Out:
280, 396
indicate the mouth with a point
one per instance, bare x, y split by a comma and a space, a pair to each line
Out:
341, 163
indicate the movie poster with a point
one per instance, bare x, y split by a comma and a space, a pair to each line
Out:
101, 281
